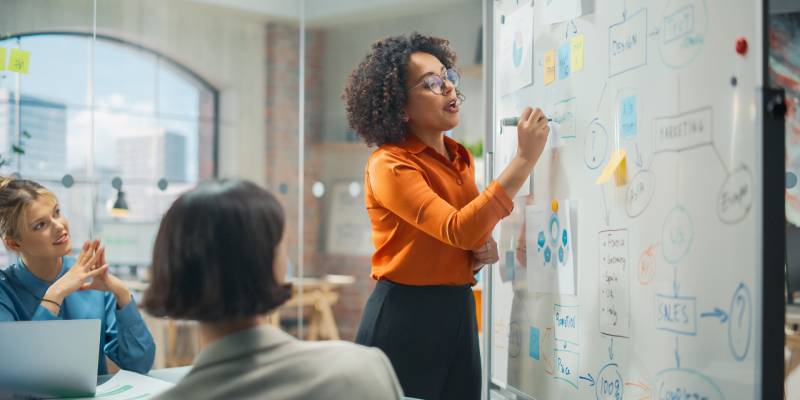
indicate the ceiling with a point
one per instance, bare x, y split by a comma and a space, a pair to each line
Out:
321, 13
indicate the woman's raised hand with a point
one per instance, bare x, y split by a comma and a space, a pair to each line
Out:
84, 268
532, 131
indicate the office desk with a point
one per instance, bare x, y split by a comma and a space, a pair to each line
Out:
174, 375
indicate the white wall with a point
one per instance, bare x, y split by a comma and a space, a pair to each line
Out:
224, 46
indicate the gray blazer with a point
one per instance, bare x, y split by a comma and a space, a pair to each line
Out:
266, 363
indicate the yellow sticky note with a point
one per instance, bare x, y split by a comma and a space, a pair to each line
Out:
577, 52
549, 66
615, 167
19, 61
2, 58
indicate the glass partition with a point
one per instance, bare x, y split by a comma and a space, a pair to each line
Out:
338, 241
119, 107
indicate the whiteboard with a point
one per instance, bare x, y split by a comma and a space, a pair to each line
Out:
667, 261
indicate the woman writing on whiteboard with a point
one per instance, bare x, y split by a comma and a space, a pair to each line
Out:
430, 226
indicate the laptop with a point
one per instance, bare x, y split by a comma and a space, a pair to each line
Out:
49, 358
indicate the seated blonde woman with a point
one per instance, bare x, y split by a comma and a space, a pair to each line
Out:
46, 283
220, 258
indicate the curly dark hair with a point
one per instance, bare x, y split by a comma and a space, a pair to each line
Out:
376, 90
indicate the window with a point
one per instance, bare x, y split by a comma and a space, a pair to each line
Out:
132, 113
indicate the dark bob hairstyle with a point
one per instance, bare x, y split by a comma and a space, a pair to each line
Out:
376, 91
214, 252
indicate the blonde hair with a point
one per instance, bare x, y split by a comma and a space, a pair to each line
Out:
16, 195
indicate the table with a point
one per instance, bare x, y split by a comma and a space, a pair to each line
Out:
171, 375
320, 294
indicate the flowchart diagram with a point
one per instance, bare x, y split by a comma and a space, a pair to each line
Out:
634, 255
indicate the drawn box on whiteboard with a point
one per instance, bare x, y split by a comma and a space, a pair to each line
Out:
679, 24
567, 367
676, 314
565, 321
614, 284
563, 115
683, 131
627, 44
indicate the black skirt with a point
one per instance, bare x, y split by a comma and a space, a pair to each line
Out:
430, 334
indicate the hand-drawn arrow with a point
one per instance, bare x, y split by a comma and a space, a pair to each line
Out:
602, 94
677, 355
675, 285
589, 379
611, 348
647, 395
639, 162
606, 214
574, 29
549, 366
717, 313
655, 31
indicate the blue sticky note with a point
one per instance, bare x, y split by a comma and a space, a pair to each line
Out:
627, 117
564, 57
533, 346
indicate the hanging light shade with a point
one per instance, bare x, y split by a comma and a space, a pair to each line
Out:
120, 207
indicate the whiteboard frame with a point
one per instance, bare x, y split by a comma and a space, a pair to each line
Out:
487, 39
773, 238
773, 244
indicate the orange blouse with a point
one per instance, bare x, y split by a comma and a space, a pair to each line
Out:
426, 213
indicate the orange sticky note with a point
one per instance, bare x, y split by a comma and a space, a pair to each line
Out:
549, 66
615, 167
577, 52
2, 58
19, 61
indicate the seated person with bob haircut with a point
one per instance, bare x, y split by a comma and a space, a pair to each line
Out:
220, 258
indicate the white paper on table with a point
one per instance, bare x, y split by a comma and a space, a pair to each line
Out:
561, 10
549, 243
127, 385
515, 58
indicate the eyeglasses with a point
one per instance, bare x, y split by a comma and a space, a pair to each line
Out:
435, 83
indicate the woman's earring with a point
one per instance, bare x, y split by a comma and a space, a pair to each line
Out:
405, 117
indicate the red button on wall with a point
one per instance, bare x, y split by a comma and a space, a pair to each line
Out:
741, 46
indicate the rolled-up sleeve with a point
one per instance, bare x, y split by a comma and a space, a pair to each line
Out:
401, 187
128, 341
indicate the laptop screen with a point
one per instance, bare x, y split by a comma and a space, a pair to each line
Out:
50, 358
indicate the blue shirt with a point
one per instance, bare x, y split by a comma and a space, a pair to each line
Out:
124, 337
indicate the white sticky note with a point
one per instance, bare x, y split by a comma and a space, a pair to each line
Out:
549, 243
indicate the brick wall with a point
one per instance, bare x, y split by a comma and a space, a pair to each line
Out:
282, 134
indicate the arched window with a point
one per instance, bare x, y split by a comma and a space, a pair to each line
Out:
88, 111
